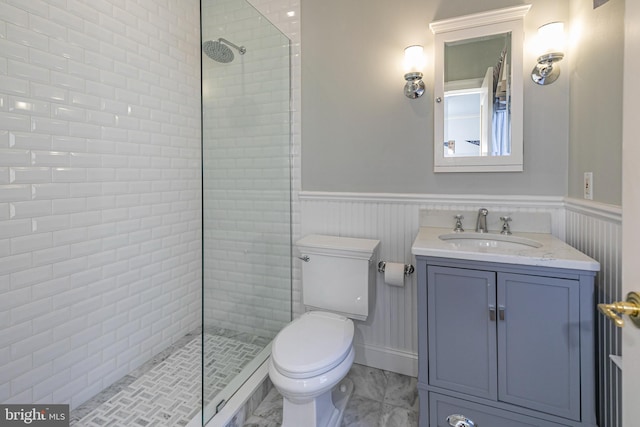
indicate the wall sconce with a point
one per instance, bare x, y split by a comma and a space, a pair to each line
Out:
551, 42
413, 64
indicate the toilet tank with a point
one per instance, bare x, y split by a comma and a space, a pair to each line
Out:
339, 274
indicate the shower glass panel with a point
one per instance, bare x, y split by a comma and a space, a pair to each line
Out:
246, 194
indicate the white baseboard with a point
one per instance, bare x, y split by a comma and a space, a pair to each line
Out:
388, 359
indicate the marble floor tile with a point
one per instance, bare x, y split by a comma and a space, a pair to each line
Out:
368, 382
362, 412
372, 387
164, 355
394, 416
166, 390
380, 398
101, 398
401, 391
270, 409
260, 422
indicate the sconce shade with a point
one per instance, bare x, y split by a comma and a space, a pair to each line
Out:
414, 63
551, 38
551, 47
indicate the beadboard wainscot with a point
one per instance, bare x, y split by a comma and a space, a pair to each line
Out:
388, 339
596, 230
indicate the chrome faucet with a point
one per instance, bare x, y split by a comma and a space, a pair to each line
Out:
505, 225
458, 227
481, 222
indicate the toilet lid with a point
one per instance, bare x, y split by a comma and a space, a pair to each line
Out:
312, 344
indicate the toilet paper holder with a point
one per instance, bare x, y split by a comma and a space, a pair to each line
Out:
408, 268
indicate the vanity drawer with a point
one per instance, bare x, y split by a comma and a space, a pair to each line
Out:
442, 406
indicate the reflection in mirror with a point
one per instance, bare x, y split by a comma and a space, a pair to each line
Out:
478, 91
477, 82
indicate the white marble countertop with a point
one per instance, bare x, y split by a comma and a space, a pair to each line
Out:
553, 252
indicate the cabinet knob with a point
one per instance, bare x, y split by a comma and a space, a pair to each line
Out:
615, 310
457, 420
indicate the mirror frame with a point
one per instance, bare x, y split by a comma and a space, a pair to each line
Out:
470, 27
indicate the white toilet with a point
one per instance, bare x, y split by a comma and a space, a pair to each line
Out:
311, 356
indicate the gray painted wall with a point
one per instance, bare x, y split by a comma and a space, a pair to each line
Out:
361, 134
595, 143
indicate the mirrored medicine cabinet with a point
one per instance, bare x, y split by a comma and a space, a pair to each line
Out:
478, 92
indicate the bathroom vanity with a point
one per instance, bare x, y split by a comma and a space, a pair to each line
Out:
506, 333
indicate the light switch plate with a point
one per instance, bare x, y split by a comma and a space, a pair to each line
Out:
588, 185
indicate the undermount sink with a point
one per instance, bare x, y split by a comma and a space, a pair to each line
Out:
485, 240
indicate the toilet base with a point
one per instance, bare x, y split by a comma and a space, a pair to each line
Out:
326, 410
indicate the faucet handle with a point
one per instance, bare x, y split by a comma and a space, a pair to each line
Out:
505, 225
458, 227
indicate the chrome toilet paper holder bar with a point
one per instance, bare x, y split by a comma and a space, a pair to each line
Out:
408, 268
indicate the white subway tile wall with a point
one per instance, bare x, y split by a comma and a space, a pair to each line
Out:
100, 224
285, 15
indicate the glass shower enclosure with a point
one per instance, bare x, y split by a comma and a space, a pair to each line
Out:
246, 190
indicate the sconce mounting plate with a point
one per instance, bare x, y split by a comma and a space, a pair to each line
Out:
544, 73
414, 88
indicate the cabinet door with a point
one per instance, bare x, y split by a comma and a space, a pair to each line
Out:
462, 330
539, 343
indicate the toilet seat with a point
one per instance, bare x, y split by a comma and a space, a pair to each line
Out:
312, 344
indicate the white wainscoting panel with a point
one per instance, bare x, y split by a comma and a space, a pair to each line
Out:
596, 230
388, 339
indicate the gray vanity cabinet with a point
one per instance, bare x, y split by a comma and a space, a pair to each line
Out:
462, 336
504, 342
539, 343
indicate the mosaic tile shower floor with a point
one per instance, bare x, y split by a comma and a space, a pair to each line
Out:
166, 391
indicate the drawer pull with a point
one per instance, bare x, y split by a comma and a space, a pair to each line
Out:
457, 420
492, 313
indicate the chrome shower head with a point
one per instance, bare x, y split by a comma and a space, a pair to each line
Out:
219, 51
